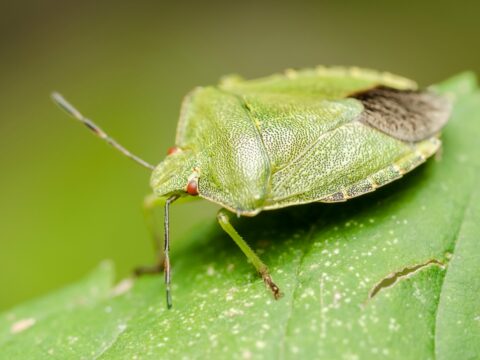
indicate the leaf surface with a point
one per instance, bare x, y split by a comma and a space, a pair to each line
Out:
393, 274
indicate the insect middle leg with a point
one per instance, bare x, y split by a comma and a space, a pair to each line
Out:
262, 269
149, 204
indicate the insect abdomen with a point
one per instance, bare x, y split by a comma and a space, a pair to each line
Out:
421, 152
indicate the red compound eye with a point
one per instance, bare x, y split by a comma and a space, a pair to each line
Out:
173, 150
192, 187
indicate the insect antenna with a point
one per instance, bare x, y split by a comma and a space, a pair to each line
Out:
166, 266
73, 112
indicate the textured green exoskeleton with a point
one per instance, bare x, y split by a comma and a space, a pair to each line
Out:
319, 135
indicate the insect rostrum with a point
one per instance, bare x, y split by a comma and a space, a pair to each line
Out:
316, 135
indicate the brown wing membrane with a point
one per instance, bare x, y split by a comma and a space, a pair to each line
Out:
407, 115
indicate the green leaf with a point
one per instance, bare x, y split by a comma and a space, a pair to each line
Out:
393, 274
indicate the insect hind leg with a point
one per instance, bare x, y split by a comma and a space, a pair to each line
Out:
150, 203
224, 221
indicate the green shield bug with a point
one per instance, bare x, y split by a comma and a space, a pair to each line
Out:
316, 135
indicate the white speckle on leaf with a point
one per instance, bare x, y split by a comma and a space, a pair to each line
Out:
260, 344
122, 287
393, 325
350, 356
337, 323
246, 354
72, 339
233, 312
294, 349
210, 270
230, 294
418, 294
309, 292
336, 297
22, 325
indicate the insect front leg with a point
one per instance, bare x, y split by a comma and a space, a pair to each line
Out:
150, 203
262, 269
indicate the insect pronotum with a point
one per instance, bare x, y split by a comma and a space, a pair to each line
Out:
315, 135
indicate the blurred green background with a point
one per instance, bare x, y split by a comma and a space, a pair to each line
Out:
67, 201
